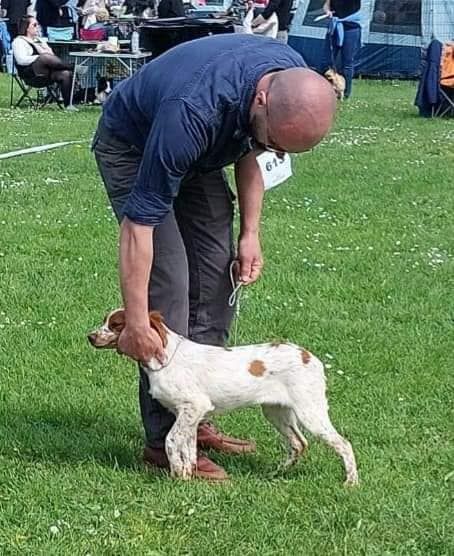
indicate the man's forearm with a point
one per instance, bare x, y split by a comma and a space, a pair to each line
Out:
136, 258
250, 189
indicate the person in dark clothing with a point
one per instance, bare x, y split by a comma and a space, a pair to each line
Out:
282, 9
343, 38
15, 11
161, 145
171, 8
52, 13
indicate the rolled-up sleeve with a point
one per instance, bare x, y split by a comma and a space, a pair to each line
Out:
178, 137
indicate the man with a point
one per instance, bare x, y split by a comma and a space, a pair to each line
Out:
282, 8
163, 139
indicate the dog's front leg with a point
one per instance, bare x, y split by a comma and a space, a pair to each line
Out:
181, 442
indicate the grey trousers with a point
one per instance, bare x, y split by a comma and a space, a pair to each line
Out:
193, 249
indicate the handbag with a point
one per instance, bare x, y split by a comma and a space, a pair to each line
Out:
93, 34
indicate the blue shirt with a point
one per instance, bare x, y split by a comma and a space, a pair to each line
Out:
188, 110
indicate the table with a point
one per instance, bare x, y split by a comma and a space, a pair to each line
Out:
127, 63
63, 48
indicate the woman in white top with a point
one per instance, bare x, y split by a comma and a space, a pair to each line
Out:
35, 59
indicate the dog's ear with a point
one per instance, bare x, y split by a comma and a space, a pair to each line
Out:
116, 321
157, 323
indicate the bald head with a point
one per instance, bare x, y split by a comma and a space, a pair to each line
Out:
300, 107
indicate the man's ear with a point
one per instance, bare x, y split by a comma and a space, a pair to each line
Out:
261, 99
157, 323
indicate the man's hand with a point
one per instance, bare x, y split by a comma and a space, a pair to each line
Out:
141, 343
249, 258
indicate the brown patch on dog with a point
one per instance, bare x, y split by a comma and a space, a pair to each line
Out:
305, 356
157, 323
116, 321
257, 367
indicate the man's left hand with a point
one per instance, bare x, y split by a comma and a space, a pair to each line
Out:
249, 258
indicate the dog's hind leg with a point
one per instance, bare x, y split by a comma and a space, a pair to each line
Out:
284, 419
316, 420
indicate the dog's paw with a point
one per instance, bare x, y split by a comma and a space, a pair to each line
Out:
351, 482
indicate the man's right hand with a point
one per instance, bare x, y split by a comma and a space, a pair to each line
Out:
141, 343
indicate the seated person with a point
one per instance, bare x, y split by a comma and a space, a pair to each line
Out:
36, 62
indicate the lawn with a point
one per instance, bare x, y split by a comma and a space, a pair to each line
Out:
359, 250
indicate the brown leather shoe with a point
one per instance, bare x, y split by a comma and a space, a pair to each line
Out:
208, 437
206, 469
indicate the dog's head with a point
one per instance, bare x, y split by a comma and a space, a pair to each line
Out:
337, 81
106, 336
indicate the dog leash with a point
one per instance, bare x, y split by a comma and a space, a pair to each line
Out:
234, 298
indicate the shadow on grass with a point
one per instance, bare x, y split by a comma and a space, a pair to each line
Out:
59, 436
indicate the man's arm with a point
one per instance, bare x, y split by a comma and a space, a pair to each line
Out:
176, 141
136, 259
249, 183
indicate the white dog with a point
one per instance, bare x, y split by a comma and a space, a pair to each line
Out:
196, 380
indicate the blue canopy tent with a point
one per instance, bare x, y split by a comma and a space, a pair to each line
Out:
394, 33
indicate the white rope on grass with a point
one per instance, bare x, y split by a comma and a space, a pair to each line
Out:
38, 149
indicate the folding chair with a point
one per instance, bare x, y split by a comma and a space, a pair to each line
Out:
445, 105
46, 92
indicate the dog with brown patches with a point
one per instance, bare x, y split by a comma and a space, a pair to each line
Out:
337, 81
196, 380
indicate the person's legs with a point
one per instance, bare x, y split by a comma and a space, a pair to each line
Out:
204, 212
64, 80
118, 164
54, 70
168, 295
330, 53
46, 63
350, 48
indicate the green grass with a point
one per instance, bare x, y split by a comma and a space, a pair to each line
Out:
359, 252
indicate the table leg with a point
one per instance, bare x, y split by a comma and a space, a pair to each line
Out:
71, 98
